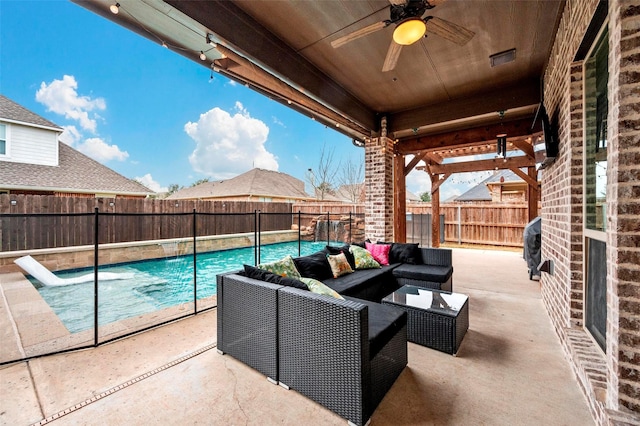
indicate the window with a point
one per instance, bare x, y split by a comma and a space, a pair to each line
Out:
3, 140
596, 107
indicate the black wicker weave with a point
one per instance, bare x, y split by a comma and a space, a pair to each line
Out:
430, 257
247, 322
435, 329
324, 353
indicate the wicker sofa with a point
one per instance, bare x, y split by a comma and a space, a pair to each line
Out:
343, 354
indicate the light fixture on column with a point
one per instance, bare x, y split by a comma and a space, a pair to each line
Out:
115, 8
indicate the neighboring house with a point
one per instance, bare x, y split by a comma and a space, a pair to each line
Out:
501, 187
254, 185
412, 198
353, 193
33, 161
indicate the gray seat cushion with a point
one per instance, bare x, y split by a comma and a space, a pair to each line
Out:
384, 322
356, 282
433, 273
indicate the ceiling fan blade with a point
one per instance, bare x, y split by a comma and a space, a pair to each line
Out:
358, 33
392, 56
449, 31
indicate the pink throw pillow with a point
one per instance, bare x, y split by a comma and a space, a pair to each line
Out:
380, 252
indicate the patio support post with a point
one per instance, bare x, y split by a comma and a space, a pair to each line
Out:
435, 210
378, 176
399, 200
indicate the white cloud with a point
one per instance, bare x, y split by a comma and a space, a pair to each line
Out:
70, 135
101, 151
227, 145
61, 97
417, 181
278, 122
147, 180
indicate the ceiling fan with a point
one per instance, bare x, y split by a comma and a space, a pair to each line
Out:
410, 27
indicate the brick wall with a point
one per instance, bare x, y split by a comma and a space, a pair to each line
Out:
611, 381
378, 176
623, 237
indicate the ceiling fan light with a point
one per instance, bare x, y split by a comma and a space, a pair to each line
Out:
409, 31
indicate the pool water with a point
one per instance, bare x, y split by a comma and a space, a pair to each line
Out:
156, 284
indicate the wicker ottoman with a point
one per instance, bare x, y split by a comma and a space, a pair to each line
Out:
436, 319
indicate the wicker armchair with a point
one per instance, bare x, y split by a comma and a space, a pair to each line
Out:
247, 322
325, 353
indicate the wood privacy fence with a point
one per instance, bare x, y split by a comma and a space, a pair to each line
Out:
30, 222
487, 224
464, 223
43, 221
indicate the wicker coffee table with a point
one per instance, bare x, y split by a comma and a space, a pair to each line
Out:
436, 319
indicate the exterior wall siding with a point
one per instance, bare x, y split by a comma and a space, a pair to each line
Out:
611, 380
32, 145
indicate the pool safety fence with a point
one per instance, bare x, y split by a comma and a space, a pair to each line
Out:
116, 242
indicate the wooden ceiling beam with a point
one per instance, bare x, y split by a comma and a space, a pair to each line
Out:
524, 93
466, 138
482, 165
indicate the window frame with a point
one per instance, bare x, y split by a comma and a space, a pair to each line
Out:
7, 139
591, 234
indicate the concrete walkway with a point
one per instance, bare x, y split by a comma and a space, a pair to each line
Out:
510, 370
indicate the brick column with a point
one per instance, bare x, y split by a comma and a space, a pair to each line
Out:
623, 228
378, 178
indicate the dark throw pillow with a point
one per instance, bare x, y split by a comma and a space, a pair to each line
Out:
270, 277
404, 253
313, 266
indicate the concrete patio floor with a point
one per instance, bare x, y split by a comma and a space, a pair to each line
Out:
510, 370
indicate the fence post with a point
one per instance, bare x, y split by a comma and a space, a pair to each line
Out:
95, 277
328, 227
195, 280
259, 236
299, 234
459, 225
255, 237
350, 226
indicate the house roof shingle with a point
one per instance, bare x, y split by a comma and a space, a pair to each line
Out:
12, 111
255, 182
75, 173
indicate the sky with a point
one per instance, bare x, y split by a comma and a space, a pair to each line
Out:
151, 114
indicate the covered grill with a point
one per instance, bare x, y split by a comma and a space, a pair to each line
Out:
531, 237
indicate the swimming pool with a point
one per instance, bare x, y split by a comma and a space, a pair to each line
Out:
156, 284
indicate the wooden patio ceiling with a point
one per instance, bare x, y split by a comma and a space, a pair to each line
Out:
282, 48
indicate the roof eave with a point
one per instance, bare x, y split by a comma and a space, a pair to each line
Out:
39, 126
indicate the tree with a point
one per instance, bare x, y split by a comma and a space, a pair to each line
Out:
200, 181
322, 179
351, 178
425, 196
174, 187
